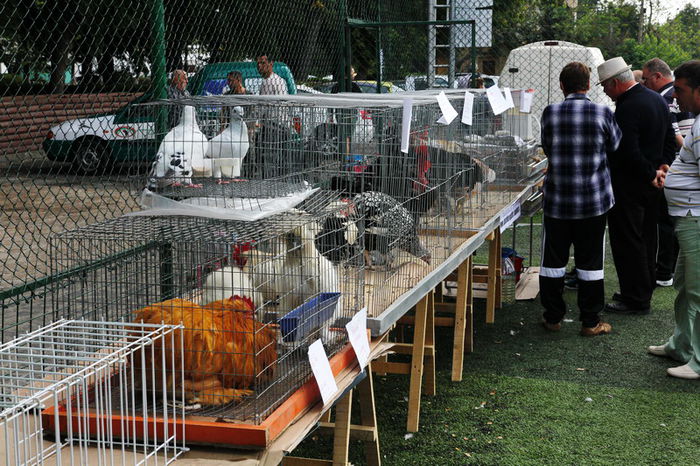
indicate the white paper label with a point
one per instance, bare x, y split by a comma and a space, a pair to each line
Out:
510, 215
357, 334
406, 124
508, 95
468, 109
526, 101
448, 111
322, 371
498, 103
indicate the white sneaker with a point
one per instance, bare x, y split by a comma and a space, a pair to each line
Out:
657, 350
665, 283
683, 372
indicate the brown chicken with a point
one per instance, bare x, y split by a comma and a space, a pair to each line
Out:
226, 351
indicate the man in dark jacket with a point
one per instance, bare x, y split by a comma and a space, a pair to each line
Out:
637, 177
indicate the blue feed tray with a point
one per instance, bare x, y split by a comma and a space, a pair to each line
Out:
300, 322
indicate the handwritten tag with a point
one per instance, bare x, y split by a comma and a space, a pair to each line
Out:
406, 124
357, 334
322, 371
526, 98
468, 109
448, 111
511, 214
496, 99
509, 97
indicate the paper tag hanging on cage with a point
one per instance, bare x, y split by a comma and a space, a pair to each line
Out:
322, 371
496, 99
448, 111
406, 124
468, 108
510, 215
357, 334
526, 98
509, 97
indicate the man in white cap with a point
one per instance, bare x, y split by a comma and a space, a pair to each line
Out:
637, 178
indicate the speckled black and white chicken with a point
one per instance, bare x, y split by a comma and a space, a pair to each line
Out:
380, 223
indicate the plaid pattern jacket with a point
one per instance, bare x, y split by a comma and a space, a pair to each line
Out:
577, 136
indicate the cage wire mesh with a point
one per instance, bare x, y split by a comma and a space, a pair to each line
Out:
252, 295
73, 152
79, 392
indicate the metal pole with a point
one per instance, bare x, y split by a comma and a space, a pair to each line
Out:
380, 54
342, 50
473, 67
158, 75
453, 35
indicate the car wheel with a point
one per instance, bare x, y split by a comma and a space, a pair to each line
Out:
90, 156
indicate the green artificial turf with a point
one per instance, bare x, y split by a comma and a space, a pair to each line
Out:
529, 396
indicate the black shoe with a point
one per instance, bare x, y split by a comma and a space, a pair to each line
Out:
571, 283
617, 307
617, 297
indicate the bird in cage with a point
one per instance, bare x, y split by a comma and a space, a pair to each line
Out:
228, 149
387, 225
289, 269
181, 154
226, 352
229, 281
381, 222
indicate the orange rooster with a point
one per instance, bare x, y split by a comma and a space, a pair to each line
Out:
226, 351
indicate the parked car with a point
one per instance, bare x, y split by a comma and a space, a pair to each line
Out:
129, 133
464, 80
419, 83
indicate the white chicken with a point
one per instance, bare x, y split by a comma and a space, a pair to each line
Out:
180, 154
227, 282
293, 273
230, 147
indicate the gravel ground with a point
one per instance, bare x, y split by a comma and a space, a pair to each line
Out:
40, 198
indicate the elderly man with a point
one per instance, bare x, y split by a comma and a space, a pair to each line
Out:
637, 177
178, 85
272, 84
682, 191
657, 76
177, 90
577, 136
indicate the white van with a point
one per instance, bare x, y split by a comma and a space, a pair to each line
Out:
537, 66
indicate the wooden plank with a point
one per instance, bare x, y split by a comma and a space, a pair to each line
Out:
357, 432
341, 431
469, 320
429, 378
382, 368
439, 321
407, 348
494, 255
529, 285
460, 320
417, 365
368, 417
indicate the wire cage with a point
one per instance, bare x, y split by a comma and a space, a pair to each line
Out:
252, 295
77, 392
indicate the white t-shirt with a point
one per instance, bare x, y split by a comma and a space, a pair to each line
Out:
682, 187
274, 85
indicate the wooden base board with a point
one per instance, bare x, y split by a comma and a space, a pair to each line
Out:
209, 431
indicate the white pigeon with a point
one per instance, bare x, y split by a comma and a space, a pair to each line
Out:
181, 153
230, 146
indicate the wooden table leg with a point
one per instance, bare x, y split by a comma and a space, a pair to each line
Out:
341, 431
429, 376
417, 363
493, 299
368, 417
462, 315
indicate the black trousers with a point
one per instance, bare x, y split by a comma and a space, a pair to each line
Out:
668, 243
588, 238
632, 222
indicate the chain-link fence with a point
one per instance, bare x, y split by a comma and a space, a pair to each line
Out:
74, 151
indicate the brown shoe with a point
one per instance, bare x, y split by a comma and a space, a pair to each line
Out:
600, 329
551, 327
